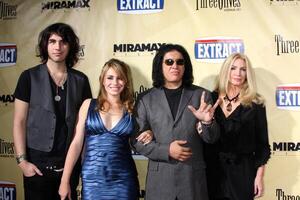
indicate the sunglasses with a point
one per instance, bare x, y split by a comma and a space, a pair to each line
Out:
170, 62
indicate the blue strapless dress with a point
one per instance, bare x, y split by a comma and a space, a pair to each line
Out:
108, 170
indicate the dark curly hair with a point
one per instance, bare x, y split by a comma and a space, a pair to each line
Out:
157, 73
68, 35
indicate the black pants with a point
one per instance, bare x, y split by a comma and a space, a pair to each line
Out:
46, 187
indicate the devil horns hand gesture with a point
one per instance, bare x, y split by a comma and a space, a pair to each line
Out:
205, 112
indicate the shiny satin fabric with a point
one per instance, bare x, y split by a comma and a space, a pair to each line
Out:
108, 170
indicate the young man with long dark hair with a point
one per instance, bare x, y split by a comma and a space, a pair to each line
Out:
47, 100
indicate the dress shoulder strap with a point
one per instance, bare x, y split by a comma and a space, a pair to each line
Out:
93, 105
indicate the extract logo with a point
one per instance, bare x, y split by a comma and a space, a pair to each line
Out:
8, 54
140, 6
217, 49
7, 190
288, 97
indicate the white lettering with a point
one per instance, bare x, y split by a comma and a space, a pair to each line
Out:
238, 47
146, 4
200, 50
212, 50
219, 50
7, 55
281, 98
6, 193
125, 4
139, 4
289, 98
206, 52
158, 4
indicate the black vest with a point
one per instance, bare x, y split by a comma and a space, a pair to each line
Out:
41, 119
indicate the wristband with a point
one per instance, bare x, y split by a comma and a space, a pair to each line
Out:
207, 123
21, 158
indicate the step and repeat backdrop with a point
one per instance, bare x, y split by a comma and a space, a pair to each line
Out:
267, 31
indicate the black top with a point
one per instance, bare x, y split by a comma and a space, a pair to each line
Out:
244, 131
242, 148
57, 154
173, 97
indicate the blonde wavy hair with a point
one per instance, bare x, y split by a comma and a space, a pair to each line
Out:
248, 93
124, 72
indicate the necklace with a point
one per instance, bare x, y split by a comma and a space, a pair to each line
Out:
229, 105
59, 83
57, 97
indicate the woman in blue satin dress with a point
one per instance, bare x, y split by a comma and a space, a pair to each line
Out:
104, 127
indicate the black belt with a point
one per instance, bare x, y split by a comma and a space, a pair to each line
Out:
54, 168
51, 167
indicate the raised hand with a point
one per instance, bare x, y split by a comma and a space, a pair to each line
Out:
205, 112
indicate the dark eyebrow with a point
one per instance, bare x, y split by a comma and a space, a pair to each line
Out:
54, 40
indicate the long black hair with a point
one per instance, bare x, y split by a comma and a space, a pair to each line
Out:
67, 34
157, 73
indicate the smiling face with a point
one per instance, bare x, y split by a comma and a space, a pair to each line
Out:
113, 83
173, 69
58, 49
238, 73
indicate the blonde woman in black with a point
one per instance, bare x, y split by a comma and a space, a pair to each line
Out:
236, 163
